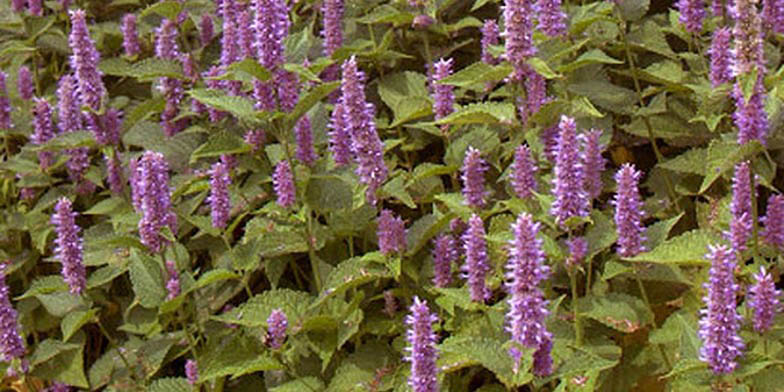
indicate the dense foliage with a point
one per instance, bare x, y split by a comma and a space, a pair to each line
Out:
484, 195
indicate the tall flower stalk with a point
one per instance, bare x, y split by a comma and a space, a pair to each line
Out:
151, 198
629, 211
477, 265
568, 175
422, 352
69, 246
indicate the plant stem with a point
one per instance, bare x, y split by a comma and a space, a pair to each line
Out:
646, 120
653, 316
118, 348
578, 327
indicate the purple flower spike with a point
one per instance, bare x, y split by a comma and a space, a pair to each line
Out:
721, 57
750, 116
339, 138
444, 254
535, 91
593, 163
84, 63
741, 222
476, 264
219, 199
70, 120
173, 284
518, 20
719, 320
578, 249
114, 176
304, 135
422, 348
525, 269
272, 26
773, 233
523, 174
277, 323
333, 26
230, 50
283, 181
130, 36
718, 8
246, 35
255, 139
443, 95
43, 130
5, 103
552, 19
151, 198
569, 173
763, 299
391, 233
773, 15
629, 211
191, 372
525, 266
69, 246
749, 52
11, 343
166, 48
359, 116
490, 37
18, 5
692, 14
24, 83
206, 29
287, 85
35, 7
58, 387
473, 176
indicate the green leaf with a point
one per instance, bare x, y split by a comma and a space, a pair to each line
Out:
255, 311
723, 156
692, 161
145, 70
405, 93
167, 9
67, 140
54, 360
619, 311
477, 74
240, 107
581, 360
601, 234
326, 194
169, 384
605, 95
460, 351
251, 67
583, 106
483, 112
216, 275
310, 99
456, 204
301, 384
220, 144
658, 232
238, 356
45, 285
593, 56
541, 67
650, 37
632, 10
146, 279
354, 272
386, 13
176, 149
73, 321
688, 248
397, 189
667, 72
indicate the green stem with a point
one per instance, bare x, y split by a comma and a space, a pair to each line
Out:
119, 350
578, 327
588, 274
653, 315
646, 120
312, 254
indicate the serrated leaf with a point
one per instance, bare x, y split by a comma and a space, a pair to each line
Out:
147, 69
221, 143
67, 140
328, 194
238, 356
301, 384
240, 107
688, 248
405, 93
255, 311
619, 311
45, 285
252, 68
541, 67
386, 13
456, 204
212, 276
310, 99
460, 351
354, 272
478, 73
692, 161
601, 234
54, 360
481, 113
169, 384
396, 188
73, 321
146, 279
658, 232
593, 56
606, 95
723, 156
167, 9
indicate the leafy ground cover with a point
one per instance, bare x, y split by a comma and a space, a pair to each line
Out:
478, 195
